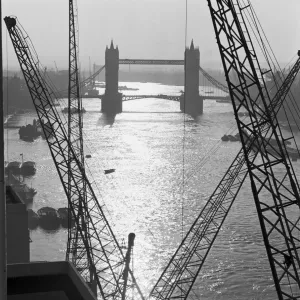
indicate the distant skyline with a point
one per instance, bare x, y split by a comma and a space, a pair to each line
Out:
141, 29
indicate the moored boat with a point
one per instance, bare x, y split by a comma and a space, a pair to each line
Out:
63, 214
13, 167
73, 110
28, 168
49, 218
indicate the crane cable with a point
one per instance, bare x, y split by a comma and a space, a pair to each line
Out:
6, 94
184, 129
268, 56
184, 121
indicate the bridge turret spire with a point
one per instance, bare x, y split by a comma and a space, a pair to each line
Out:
111, 44
192, 45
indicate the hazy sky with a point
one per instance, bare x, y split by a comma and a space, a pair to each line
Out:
141, 28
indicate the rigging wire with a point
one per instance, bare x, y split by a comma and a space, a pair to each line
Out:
7, 98
213, 150
276, 66
184, 123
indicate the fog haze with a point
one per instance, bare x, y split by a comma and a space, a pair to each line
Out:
141, 29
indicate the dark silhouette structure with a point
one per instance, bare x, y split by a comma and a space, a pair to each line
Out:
112, 99
190, 102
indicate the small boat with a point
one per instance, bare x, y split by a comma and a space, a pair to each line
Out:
33, 219
232, 138
109, 171
13, 167
225, 138
63, 213
29, 132
73, 110
49, 218
92, 92
28, 168
88, 156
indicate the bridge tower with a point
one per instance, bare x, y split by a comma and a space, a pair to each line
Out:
192, 103
112, 100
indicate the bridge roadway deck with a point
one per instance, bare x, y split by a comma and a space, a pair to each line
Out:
160, 96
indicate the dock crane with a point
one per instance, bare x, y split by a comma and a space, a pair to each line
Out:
177, 279
180, 274
76, 250
103, 252
275, 192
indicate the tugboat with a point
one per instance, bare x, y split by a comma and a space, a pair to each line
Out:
63, 213
33, 219
29, 132
232, 138
49, 218
225, 138
28, 168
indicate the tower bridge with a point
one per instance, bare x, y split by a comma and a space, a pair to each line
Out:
191, 102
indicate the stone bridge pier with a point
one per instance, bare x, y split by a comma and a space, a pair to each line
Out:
191, 102
112, 100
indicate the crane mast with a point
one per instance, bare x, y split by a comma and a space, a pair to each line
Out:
76, 251
103, 252
274, 184
178, 278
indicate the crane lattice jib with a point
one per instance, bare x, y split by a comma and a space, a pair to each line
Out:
76, 250
179, 276
103, 251
88, 80
274, 184
214, 82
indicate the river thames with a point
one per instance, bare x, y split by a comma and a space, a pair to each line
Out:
166, 163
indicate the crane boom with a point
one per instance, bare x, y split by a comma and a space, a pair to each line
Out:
91, 78
177, 279
273, 181
76, 250
102, 248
